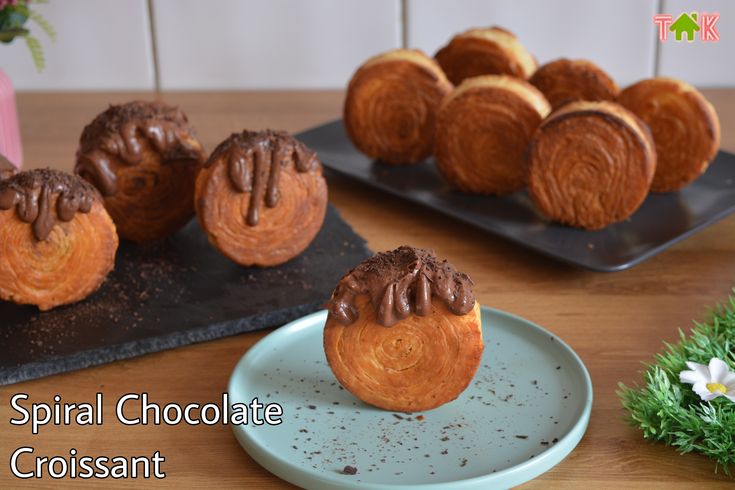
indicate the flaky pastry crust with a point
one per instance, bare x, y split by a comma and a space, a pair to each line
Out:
485, 51
390, 106
563, 80
483, 131
685, 128
591, 164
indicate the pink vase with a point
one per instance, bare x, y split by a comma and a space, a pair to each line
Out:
10, 145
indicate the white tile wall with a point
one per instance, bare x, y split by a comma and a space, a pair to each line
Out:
101, 44
275, 44
617, 35
243, 44
701, 63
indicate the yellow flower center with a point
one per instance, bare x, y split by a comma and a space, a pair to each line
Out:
716, 388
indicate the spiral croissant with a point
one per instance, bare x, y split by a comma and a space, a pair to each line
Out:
261, 197
685, 128
483, 130
57, 242
404, 331
390, 106
591, 164
562, 81
488, 51
143, 157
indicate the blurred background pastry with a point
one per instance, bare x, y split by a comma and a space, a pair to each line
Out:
483, 131
685, 128
143, 157
566, 80
7, 169
591, 164
487, 51
390, 106
404, 331
57, 241
261, 197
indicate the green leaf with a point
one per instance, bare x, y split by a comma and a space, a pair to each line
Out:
36, 52
43, 24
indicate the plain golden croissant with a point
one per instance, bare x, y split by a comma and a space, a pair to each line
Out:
404, 331
143, 157
390, 106
261, 197
685, 128
562, 81
483, 130
57, 242
591, 164
488, 51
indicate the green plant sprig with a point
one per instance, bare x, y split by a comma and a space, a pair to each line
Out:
13, 18
669, 411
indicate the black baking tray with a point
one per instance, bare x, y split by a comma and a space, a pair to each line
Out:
662, 220
171, 293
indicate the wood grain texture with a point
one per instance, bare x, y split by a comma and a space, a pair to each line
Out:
613, 321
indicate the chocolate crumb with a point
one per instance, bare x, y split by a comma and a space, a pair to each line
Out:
521, 437
349, 470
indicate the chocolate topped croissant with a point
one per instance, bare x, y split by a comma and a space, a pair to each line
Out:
485, 51
143, 157
261, 197
404, 331
57, 242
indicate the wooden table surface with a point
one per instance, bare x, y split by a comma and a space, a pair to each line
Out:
614, 320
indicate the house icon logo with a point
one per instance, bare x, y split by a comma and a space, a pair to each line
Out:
688, 26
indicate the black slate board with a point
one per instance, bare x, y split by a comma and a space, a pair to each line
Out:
172, 293
662, 220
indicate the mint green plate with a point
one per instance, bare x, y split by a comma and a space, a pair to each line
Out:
525, 411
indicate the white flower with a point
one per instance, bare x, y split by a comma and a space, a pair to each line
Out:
710, 381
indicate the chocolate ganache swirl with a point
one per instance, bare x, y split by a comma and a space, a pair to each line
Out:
35, 193
255, 161
400, 282
118, 132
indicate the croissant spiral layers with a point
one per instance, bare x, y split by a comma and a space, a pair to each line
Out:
404, 331
491, 51
261, 197
591, 164
57, 242
564, 81
685, 128
143, 157
390, 106
483, 131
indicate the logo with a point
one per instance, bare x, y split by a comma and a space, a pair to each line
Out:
687, 25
